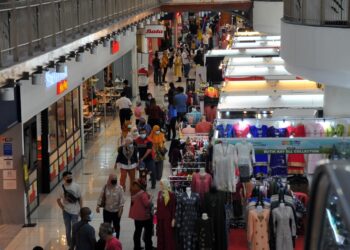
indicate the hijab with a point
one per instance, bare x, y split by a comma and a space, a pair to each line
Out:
125, 129
157, 138
110, 178
166, 190
127, 151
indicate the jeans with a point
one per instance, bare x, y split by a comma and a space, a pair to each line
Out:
159, 169
150, 166
187, 68
157, 76
112, 217
69, 220
123, 175
171, 127
148, 226
165, 70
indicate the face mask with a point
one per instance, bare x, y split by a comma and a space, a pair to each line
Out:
129, 126
149, 98
135, 134
69, 181
91, 216
114, 182
130, 146
143, 136
157, 132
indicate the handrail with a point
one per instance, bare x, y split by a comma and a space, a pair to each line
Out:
327, 13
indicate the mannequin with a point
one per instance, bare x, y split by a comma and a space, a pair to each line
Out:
188, 130
187, 215
166, 206
245, 158
203, 126
258, 226
201, 182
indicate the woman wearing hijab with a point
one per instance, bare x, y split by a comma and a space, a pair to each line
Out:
166, 206
140, 212
175, 153
158, 140
112, 201
127, 161
126, 129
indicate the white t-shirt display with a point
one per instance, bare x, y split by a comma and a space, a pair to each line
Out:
73, 188
245, 154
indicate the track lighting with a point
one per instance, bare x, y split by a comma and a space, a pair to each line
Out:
158, 16
124, 31
140, 25
37, 76
148, 21
60, 65
7, 92
79, 54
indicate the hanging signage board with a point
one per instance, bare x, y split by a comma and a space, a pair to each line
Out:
115, 46
292, 145
62, 86
154, 31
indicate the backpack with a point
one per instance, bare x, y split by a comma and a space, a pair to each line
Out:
69, 196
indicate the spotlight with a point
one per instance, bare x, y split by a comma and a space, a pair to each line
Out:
105, 42
158, 16
148, 21
60, 65
141, 25
51, 65
124, 32
154, 18
37, 76
132, 28
7, 92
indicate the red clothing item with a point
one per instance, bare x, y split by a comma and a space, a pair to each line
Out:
165, 214
210, 113
201, 184
113, 244
241, 131
296, 162
140, 206
203, 127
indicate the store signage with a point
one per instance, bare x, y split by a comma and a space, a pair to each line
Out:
154, 31
62, 86
115, 46
294, 145
53, 77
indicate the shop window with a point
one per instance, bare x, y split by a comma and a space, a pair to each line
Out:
52, 112
61, 121
76, 109
69, 114
30, 144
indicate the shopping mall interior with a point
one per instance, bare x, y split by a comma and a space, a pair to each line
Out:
174, 124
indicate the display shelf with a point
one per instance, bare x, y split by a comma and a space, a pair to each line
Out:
254, 61
256, 38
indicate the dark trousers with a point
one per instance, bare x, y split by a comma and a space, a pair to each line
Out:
171, 127
150, 166
110, 217
164, 73
124, 115
143, 93
181, 116
158, 167
157, 76
153, 122
148, 226
187, 68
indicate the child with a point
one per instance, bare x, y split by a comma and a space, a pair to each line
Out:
138, 112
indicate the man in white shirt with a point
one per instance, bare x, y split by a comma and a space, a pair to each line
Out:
143, 82
70, 201
124, 105
186, 62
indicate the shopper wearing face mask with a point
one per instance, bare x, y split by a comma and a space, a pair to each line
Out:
70, 201
83, 237
146, 154
158, 140
127, 161
112, 201
144, 125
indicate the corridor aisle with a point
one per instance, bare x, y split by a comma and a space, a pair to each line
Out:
91, 174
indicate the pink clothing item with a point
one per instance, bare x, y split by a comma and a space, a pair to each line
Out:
138, 112
188, 130
140, 206
258, 228
201, 184
241, 130
113, 244
203, 127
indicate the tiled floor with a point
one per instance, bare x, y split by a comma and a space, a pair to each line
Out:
91, 174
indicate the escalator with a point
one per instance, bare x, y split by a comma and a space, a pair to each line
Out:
329, 217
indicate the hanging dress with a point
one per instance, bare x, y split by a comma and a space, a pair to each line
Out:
261, 160
296, 162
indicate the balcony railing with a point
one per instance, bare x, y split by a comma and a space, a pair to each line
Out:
333, 13
30, 27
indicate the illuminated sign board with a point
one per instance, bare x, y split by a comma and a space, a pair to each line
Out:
154, 31
53, 77
62, 86
114, 47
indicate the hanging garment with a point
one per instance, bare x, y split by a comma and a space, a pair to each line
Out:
245, 157
258, 225
187, 215
210, 112
244, 173
284, 227
214, 206
278, 162
224, 158
201, 183
229, 131
296, 162
261, 160
313, 130
241, 130
221, 130
165, 214
206, 234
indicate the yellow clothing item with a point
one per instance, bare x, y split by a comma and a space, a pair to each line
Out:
178, 66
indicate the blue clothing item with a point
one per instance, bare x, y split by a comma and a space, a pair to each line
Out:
229, 131
194, 116
275, 132
221, 130
147, 127
69, 221
258, 132
172, 112
180, 103
278, 165
255, 199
